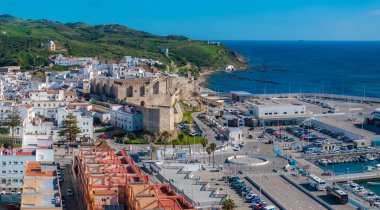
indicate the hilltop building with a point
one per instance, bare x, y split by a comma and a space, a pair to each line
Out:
52, 46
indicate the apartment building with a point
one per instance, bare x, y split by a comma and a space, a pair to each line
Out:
73, 61
41, 188
84, 118
108, 178
13, 163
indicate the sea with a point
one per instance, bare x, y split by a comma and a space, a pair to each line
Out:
354, 167
336, 67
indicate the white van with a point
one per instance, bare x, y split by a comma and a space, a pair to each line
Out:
270, 207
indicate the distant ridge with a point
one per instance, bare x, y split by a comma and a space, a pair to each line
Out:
23, 42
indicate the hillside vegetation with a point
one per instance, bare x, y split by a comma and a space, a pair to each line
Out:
24, 42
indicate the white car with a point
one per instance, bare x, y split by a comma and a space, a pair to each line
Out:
69, 192
236, 148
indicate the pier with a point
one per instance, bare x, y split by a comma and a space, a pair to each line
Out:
336, 97
325, 156
355, 177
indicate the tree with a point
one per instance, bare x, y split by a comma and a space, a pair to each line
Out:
14, 120
153, 151
213, 148
147, 138
174, 142
228, 204
187, 132
209, 151
69, 128
181, 137
131, 136
204, 143
165, 140
97, 121
194, 94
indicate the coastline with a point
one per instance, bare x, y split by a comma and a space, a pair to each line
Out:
205, 75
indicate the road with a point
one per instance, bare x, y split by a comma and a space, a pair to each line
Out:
69, 181
285, 193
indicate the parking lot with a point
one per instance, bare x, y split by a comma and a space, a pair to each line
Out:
248, 196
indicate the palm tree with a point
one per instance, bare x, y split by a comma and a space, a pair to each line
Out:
187, 132
213, 148
181, 137
153, 151
147, 138
174, 142
165, 140
204, 143
228, 204
209, 151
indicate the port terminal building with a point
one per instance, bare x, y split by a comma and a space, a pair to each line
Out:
274, 113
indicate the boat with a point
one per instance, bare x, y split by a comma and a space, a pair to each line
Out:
368, 168
371, 157
373, 183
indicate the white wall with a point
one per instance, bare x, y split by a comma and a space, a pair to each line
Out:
260, 111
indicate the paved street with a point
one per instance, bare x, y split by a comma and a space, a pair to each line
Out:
69, 181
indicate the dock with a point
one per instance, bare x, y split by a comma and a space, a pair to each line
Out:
282, 191
354, 177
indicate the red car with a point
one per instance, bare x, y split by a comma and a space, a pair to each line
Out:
11, 207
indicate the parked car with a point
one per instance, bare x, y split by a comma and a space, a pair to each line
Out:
69, 192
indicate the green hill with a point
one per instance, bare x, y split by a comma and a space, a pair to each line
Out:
23, 42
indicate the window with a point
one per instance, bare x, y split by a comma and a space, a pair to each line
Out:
302, 112
21, 172
4, 163
266, 113
15, 163
9, 172
9, 163
15, 171
285, 113
270, 113
15, 180
3, 181
3, 172
295, 112
275, 113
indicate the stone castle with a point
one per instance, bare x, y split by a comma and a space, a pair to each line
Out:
154, 97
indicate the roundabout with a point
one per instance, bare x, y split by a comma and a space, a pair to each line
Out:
247, 160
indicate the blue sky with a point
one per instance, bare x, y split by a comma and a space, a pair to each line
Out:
218, 19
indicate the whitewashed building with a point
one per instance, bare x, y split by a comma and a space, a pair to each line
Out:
13, 164
85, 120
126, 118
270, 113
